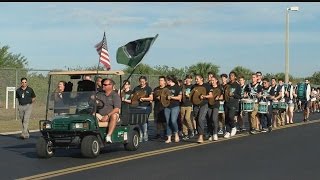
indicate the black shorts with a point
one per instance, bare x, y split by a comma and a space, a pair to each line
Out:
305, 104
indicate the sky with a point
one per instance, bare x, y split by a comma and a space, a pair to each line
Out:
228, 34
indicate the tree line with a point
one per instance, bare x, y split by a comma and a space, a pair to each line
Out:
11, 60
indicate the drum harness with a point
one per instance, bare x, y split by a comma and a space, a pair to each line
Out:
253, 92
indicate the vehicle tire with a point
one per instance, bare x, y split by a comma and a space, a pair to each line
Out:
90, 146
133, 141
44, 148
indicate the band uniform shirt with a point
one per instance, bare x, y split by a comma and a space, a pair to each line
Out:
266, 93
186, 102
25, 96
253, 90
111, 102
175, 91
235, 88
148, 92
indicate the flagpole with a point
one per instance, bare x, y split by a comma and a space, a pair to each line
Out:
139, 62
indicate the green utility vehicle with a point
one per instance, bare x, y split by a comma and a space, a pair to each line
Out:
72, 123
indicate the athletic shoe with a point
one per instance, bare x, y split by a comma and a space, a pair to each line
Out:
215, 137
233, 131
108, 139
227, 135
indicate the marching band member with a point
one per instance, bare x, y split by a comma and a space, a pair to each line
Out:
265, 119
221, 116
172, 111
289, 96
186, 109
200, 111
158, 110
232, 95
281, 113
253, 90
145, 102
275, 96
213, 109
240, 114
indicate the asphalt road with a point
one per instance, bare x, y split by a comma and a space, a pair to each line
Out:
291, 152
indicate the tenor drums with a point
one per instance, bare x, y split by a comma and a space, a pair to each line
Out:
275, 104
282, 105
263, 107
247, 105
221, 108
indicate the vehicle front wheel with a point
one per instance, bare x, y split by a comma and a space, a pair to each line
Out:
44, 148
90, 146
133, 141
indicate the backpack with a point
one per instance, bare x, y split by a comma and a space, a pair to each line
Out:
301, 90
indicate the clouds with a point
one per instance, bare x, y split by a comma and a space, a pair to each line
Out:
227, 33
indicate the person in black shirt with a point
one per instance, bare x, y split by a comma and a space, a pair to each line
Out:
145, 102
232, 97
186, 109
158, 111
172, 111
61, 99
125, 95
26, 97
200, 110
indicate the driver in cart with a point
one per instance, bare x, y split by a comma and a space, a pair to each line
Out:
109, 102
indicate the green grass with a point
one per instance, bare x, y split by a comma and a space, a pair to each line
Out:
10, 121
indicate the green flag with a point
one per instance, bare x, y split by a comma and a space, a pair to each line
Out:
133, 52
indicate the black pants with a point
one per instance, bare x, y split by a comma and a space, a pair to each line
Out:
230, 111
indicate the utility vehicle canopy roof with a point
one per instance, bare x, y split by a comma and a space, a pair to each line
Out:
86, 72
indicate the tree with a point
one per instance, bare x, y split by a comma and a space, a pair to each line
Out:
203, 69
10, 60
140, 69
242, 71
180, 73
315, 78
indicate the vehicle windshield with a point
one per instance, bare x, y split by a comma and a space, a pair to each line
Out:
75, 94
61, 103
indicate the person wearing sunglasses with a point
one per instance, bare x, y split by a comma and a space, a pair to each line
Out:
26, 97
110, 111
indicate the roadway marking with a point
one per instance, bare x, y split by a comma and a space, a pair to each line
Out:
143, 155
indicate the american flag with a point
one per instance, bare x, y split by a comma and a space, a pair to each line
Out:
102, 50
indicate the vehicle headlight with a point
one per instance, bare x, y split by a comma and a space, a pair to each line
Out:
46, 125
80, 125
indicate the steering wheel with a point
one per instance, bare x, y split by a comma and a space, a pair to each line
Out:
99, 103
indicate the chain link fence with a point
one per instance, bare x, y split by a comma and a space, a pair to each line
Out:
38, 80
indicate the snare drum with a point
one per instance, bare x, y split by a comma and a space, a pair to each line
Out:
263, 107
282, 105
275, 104
247, 105
221, 108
